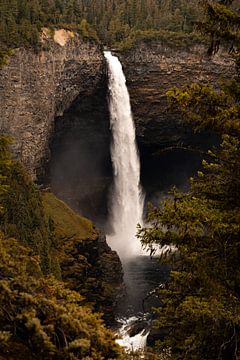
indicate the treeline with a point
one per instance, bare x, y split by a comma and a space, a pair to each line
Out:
113, 20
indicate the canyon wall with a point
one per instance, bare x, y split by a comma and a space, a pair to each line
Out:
153, 68
36, 87
40, 90
79, 170
54, 103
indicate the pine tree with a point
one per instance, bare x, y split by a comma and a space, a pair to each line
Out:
200, 304
40, 318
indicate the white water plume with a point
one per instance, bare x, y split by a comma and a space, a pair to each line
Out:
127, 197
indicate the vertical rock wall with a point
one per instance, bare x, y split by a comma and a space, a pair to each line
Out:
153, 68
36, 87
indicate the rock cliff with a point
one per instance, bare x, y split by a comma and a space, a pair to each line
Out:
151, 69
79, 170
36, 87
54, 103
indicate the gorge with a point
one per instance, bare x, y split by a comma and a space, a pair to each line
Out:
55, 105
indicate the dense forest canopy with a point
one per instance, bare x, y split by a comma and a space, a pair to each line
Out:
42, 317
113, 20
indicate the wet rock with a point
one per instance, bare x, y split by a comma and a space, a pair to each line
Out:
138, 327
80, 168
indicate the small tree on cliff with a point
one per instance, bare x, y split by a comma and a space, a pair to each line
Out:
201, 302
5, 162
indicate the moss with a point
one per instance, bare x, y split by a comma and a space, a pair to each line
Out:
67, 223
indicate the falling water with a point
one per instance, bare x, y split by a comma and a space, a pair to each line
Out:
127, 197
140, 274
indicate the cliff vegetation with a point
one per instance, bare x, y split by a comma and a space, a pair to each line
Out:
199, 313
42, 317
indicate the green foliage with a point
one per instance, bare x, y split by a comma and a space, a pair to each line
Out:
200, 304
221, 24
197, 100
4, 57
23, 214
114, 22
72, 236
40, 318
83, 262
200, 228
86, 31
5, 163
110, 20
20, 22
170, 38
67, 223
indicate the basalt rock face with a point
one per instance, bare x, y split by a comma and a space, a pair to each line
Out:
80, 170
151, 70
163, 138
36, 87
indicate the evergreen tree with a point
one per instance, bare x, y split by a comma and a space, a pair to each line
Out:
40, 318
200, 304
22, 20
5, 163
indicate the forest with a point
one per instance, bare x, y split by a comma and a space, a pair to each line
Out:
109, 20
41, 316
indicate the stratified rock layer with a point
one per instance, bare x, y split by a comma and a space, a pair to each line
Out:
36, 87
152, 69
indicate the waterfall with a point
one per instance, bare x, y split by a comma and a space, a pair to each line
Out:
127, 196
